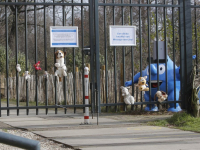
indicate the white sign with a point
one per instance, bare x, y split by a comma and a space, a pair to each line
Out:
122, 36
63, 36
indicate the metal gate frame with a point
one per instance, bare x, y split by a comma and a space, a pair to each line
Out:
46, 4
185, 49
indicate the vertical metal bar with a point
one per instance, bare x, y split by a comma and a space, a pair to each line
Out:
92, 55
105, 47
45, 52
56, 101
132, 55
188, 49
182, 60
26, 53
166, 53
7, 61
64, 78
83, 83
74, 62
157, 51
174, 55
115, 66
36, 58
123, 50
140, 45
0, 92
16, 50
196, 39
97, 56
149, 51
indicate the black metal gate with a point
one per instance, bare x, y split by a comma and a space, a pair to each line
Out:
25, 40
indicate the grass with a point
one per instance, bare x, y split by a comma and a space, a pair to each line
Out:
180, 120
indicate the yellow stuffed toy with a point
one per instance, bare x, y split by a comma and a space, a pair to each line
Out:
142, 86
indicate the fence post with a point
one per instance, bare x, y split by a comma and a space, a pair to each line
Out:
86, 78
88, 65
187, 54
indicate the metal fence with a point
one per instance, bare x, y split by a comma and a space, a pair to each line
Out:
25, 30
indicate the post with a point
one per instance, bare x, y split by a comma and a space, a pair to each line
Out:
187, 52
86, 80
88, 65
18, 141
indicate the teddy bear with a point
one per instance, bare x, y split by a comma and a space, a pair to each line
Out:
142, 86
162, 96
37, 66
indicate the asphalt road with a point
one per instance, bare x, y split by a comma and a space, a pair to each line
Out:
114, 132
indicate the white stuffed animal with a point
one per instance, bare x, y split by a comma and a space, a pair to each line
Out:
18, 68
27, 75
128, 98
86, 70
61, 67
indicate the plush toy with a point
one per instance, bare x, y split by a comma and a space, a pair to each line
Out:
18, 67
162, 96
128, 98
27, 75
142, 86
37, 66
60, 65
162, 83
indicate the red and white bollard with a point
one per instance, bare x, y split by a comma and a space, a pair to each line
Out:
86, 80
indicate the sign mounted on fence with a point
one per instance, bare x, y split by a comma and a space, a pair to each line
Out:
122, 35
63, 36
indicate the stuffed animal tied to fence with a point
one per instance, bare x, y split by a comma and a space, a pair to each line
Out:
27, 75
162, 96
37, 66
18, 67
128, 98
60, 65
142, 86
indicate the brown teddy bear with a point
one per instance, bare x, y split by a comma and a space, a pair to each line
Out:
142, 86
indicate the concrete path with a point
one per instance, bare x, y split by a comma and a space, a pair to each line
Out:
114, 132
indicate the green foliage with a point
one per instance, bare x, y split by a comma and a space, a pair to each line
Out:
2, 60
12, 62
180, 120
70, 60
